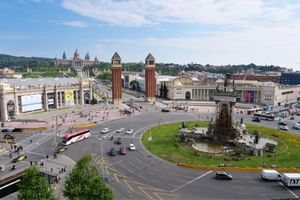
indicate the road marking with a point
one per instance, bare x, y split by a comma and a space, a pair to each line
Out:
290, 191
191, 181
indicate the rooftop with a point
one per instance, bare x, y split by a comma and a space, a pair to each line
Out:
40, 82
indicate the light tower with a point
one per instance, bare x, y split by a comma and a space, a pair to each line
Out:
116, 79
150, 82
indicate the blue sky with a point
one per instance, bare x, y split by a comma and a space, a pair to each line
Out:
180, 31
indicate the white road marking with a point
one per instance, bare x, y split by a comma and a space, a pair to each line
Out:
191, 181
290, 191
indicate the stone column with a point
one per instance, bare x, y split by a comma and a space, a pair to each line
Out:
56, 97
16, 102
61, 101
76, 98
4, 116
45, 100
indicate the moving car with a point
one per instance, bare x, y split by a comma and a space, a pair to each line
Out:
120, 130
270, 175
165, 110
112, 152
19, 158
61, 149
8, 137
6, 130
17, 130
256, 119
284, 128
223, 176
123, 150
129, 131
296, 126
132, 147
282, 123
118, 141
105, 130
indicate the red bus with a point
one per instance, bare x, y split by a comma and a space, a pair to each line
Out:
76, 136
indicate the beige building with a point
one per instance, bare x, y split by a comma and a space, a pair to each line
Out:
19, 96
8, 73
254, 92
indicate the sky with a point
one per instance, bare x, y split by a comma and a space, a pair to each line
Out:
217, 32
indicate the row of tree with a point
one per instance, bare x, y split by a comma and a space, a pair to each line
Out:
83, 183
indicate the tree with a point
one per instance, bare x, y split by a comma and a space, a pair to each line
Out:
34, 186
84, 182
94, 101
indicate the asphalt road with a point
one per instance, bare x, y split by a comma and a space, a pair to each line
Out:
140, 175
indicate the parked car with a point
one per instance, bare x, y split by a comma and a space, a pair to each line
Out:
165, 110
123, 150
6, 130
118, 141
19, 158
61, 149
129, 131
17, 130
282, 123
296, 126
256, 119
8, 137
105, 130
120, 130
132, 147
112, 152
223, 176
284, 128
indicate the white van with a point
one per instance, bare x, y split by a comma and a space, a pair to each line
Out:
270, 175
291, 179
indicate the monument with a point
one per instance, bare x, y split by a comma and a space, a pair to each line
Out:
223, 129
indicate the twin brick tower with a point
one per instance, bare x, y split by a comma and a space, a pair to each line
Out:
150, 82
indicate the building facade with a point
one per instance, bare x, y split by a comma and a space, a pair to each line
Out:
19, 96
76, 62
257, 77
254, 92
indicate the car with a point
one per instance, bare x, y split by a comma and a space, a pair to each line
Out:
284, 128
298, 113
6, 130
223, 176
165, 110
112, 152
17, 130
296, 126
129, 131
118, 141
120, 130
256, 119
132, 147
105, 130
19, 158
282, 123
270, 175
123, 150
61, 149
8, 137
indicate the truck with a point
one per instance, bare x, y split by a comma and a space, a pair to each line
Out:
270, 175
291, 179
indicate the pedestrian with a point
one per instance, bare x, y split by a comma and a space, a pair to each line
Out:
10, 155
47, 156
65, 168
51, 170
62, 169
30, 163
30, 141
11, 146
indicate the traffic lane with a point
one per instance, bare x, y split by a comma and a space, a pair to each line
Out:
245, 185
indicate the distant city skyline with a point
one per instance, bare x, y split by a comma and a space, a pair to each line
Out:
262, 32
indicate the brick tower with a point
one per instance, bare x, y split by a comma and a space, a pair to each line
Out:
150, 82
116, 79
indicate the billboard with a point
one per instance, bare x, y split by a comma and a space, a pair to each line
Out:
31, 102
69, 98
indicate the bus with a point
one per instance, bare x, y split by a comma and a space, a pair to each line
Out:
76, 136
264, 116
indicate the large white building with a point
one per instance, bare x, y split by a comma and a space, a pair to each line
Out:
18, 96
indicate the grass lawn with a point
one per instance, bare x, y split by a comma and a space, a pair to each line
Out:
164, 144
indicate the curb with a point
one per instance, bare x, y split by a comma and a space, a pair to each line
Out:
84, 125
235, 169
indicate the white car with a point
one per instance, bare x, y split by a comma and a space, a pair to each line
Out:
284, 128
129, 131
120, 130
296, 126
105, 130
132, 147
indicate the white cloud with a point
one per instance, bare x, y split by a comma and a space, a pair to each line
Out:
144, 12
78, 24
